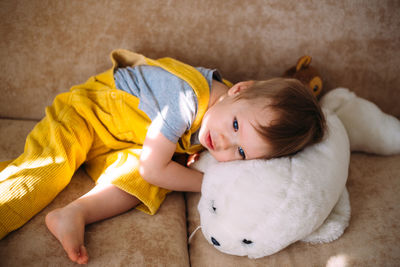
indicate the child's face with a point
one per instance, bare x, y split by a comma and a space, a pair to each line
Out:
228, 132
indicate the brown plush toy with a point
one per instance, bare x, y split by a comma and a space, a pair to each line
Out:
306, 74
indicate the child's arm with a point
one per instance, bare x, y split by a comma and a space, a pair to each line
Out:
157, 167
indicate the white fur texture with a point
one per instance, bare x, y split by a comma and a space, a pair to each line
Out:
259, 207
274, 203
369, 129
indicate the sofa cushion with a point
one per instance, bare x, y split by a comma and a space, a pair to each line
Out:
130, 239
371, 239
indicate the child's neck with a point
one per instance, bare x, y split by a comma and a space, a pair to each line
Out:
218, 90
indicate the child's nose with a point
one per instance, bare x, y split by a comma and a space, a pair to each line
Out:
224, 142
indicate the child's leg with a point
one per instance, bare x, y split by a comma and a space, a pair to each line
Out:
121, 168
53, 151
68, 224
113, 170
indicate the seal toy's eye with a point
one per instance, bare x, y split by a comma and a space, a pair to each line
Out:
213, 208
215, 242
247, 242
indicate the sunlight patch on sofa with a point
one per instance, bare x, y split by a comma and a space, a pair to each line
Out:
340, 260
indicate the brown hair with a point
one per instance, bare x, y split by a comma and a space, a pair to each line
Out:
300, 121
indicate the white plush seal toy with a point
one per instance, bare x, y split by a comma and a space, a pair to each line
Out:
256, 208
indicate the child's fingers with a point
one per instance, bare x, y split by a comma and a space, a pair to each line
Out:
192, 159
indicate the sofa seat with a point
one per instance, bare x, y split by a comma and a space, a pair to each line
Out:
138, 239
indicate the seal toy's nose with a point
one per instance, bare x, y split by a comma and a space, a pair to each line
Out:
215, 242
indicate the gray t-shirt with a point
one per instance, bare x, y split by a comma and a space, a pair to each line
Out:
168, 100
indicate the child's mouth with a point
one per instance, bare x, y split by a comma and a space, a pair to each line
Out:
209, 141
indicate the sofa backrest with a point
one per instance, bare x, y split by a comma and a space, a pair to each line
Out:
48, 46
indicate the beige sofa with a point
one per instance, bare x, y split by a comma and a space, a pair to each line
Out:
48, 46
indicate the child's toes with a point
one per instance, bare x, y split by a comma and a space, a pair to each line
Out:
83, 255
73, 254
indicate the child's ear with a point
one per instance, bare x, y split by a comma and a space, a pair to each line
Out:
239, 87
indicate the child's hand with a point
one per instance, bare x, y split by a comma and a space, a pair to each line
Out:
192, 159
180, 158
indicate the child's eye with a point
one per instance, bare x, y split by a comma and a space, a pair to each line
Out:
235, 125
241, 153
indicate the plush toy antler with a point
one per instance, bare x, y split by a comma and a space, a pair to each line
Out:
306, 74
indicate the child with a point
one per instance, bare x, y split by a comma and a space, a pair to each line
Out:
127, 137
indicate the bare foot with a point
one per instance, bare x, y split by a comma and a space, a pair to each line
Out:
68, 226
